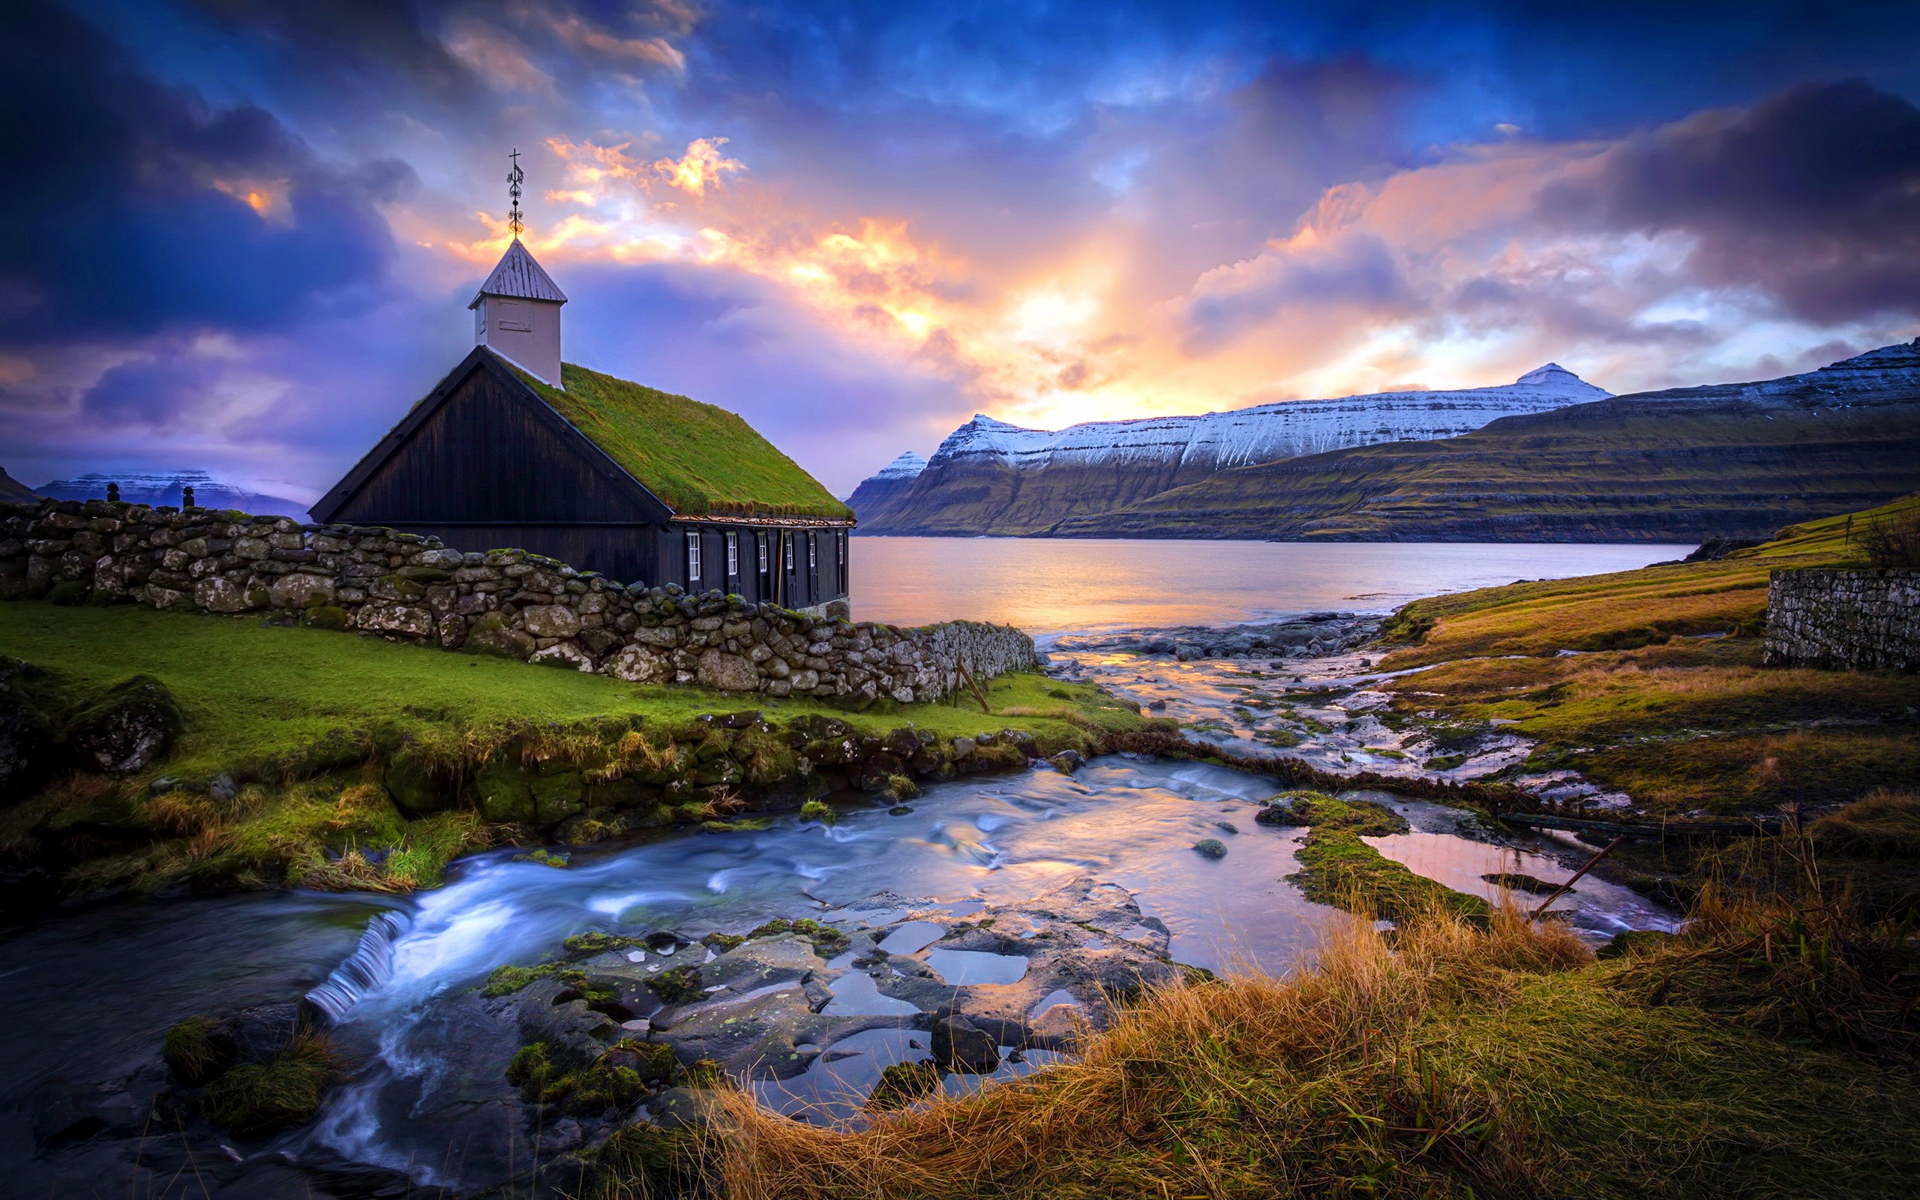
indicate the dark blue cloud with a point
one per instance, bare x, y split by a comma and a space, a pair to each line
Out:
1813, 195
118, 226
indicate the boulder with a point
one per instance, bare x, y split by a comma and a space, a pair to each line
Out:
222, 595
962, 1047
385, 616
567, 655
300, 591
550, 620
491, 634
129, 728
727, 672
639, 664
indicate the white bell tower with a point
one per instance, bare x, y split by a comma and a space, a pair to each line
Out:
516, 312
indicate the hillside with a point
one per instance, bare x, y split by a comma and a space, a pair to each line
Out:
989, 477
1737, 460
879, 495
12, 490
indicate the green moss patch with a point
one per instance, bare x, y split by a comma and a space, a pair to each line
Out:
284, 1091
698, 458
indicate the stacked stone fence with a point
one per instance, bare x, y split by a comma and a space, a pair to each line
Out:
1851, 618
503, 602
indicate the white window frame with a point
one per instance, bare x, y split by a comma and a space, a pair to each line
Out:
789, 544
813, 553
693, 557
760, 549
733, 555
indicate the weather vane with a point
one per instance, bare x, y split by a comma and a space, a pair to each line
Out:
513, 190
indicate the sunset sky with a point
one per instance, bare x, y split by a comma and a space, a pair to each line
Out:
241, 234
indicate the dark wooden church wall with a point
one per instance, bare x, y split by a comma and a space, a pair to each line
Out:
490, 455
488, 470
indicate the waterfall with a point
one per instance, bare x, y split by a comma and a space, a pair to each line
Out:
366, 969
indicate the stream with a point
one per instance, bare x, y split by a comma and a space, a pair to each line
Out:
93, 992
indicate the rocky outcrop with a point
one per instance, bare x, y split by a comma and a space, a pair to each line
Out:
1856, 619
989, 477
1310, 635
501, 602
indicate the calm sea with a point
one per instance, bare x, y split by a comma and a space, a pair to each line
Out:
1046, 585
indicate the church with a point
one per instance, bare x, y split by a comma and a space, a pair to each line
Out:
518, 449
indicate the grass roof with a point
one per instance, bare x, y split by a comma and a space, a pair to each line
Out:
701, 460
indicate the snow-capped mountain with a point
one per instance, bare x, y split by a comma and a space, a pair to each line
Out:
1243, 436
163, 487
879, 492
992, 477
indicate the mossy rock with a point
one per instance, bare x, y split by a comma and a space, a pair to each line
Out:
506, 980
68, 592
198, 1049
677, 986
326, 616
1210, 848
413, 787
557, 797
903, 1083
130, 726
504, 792
818, 810
282, 1092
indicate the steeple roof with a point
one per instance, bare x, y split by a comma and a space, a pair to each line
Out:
520, 277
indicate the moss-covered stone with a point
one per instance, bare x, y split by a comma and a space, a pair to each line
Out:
198, 1049
413, 787
504, 792
903, 1083
280, 1093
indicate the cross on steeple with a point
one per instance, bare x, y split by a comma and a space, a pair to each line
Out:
513, 191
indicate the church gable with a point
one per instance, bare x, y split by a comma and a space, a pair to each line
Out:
484, 448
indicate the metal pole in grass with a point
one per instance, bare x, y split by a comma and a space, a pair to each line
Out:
1568, 885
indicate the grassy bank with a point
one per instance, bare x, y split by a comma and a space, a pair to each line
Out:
1668, 700
1447, 1060
319, 759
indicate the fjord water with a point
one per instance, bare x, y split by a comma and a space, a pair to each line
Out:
428, 1094
1055, 585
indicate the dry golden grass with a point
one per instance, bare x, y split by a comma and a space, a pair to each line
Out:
1311, 1080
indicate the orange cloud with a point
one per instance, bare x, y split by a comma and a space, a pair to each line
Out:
700, 168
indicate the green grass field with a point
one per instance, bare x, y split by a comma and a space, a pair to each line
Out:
344, 748
255, 695
1678, 721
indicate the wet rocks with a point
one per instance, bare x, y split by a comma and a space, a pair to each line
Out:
1210, 848
1308, 636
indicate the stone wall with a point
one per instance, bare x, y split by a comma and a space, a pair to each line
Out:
1853, 618
503, 602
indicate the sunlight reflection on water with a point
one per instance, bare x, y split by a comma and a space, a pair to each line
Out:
1052, 585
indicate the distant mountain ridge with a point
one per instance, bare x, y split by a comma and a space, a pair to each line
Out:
989, 477
163, 487
879, 494
13, 491
1683, 464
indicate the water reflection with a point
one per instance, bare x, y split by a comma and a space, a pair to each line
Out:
1051, 585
